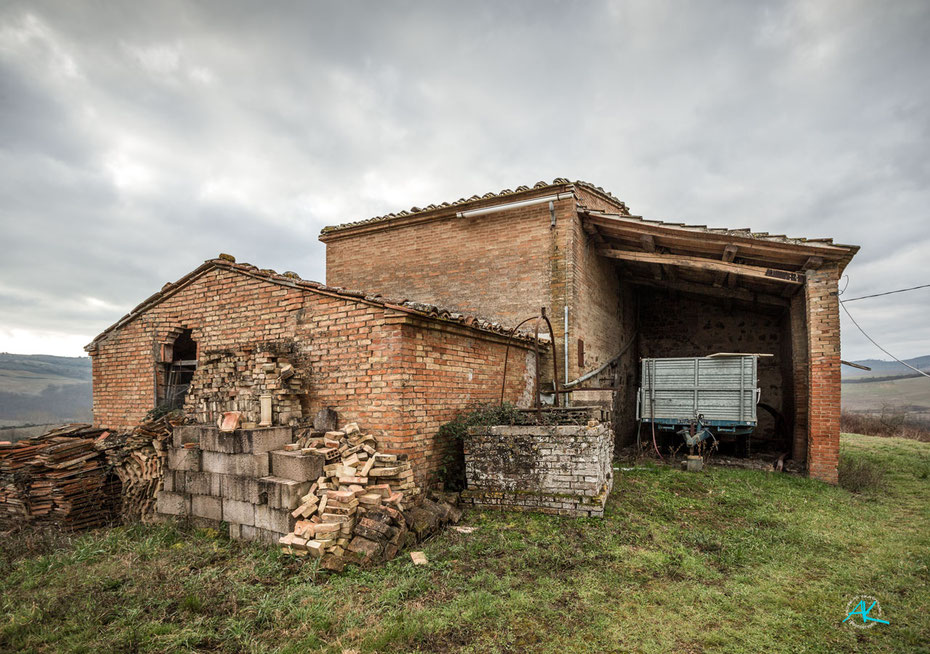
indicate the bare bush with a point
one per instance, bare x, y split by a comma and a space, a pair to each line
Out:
860, 475
890, 421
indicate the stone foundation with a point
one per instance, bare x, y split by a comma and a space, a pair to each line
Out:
563, 469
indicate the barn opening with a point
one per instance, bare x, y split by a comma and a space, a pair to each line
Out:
178, 365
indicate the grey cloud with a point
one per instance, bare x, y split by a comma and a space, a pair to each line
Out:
136, 141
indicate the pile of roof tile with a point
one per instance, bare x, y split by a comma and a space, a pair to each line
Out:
79, 477
138, 460
57, 478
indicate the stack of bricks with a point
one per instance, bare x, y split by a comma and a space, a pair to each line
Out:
562, 469
357, 485
235, 381
244, 478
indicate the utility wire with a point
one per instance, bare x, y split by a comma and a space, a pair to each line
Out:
901, 290
879, 346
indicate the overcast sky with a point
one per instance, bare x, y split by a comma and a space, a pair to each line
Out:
139, 139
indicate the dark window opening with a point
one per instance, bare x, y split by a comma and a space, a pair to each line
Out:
180, 363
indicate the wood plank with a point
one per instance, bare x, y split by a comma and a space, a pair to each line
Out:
768, 274
702, 289
729, 254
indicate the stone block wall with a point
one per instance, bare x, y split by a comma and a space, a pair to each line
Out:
243, 478
560, 469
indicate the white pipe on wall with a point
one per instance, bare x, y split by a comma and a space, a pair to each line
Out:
514, 205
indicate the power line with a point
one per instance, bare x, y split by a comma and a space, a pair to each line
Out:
879, 346
900, 290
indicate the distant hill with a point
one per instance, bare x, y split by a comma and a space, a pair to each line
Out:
40, 388
885, 369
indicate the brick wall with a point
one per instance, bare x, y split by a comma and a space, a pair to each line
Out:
823, 346
399, 373
496, 266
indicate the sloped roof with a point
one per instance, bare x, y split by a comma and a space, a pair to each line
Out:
557, 183
292, 280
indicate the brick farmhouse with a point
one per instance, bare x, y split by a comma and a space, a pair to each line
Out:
616, 287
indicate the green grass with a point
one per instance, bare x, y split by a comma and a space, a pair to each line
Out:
723, 561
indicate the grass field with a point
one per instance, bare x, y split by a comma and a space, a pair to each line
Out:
912, 393
723, 561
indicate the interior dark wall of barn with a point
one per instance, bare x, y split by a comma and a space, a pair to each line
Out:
672, 324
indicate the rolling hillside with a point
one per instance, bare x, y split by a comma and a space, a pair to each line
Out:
885, 368
39, 388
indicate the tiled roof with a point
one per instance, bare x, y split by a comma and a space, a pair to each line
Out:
293, 280
743, 232
413, 211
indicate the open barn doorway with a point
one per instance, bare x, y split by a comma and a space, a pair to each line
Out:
179, 363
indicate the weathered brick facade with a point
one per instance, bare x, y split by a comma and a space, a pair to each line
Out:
399, 371
556, 253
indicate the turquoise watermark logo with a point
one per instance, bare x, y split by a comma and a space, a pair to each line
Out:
863, 612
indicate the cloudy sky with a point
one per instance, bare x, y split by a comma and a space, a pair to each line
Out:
138, 139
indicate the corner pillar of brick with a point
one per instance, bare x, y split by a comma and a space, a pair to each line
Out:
823, 344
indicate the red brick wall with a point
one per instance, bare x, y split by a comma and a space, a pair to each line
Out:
496, 266
222, 308
823, 320
394, 373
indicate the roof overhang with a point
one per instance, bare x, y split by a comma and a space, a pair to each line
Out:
735, 263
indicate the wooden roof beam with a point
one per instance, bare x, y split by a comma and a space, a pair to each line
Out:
700, 263
729, 254
703, 289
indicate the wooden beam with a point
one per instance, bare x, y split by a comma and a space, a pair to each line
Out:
812, 263
649, 245
704, 289
700, 263
729, 254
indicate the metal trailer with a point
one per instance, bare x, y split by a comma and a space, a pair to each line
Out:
700, 397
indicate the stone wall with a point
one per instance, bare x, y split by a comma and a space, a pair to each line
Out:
551, 469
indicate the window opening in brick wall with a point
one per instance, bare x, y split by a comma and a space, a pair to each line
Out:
180, 362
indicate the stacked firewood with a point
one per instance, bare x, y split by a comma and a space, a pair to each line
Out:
355, 511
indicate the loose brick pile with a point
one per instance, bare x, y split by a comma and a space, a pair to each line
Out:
329, 494
360, 493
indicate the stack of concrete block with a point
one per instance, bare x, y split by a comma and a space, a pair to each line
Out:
244, 478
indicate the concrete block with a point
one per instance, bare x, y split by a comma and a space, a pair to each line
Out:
277, 520
185, 434
197, 483
296, 465
259, 535
235, 531
240, 512
241, 465
281, 493
183, 458
167, 482
241, 489
245, 441
173, 503
207, 506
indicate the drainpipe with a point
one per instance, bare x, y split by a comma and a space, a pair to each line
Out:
514, 205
